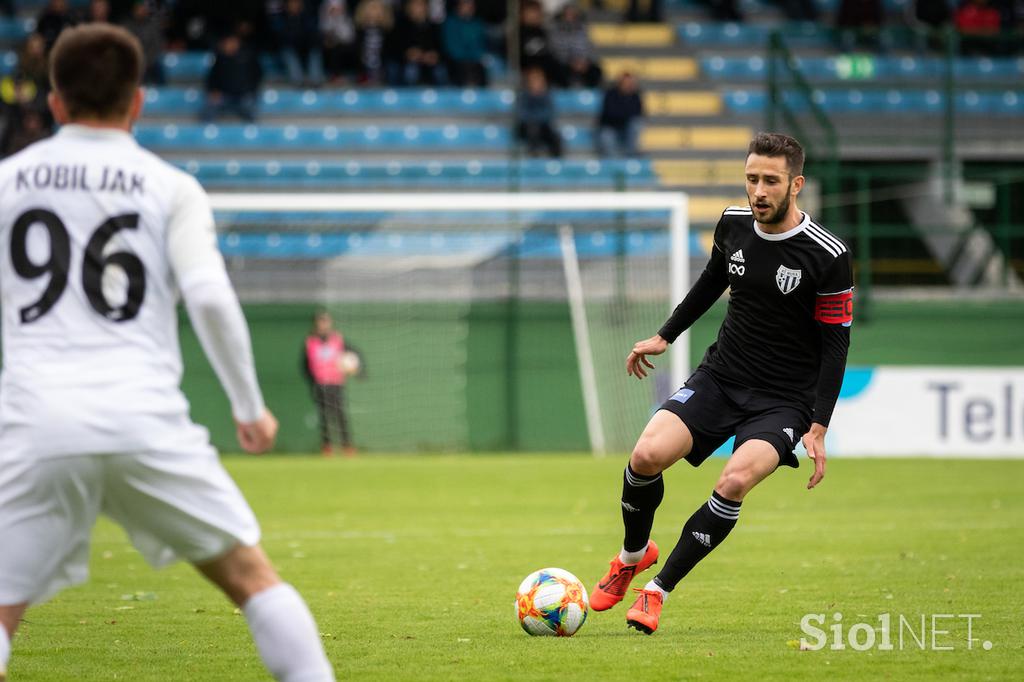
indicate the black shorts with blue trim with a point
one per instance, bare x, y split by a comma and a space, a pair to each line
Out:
714, 410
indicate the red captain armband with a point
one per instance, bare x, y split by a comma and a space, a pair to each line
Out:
834, 308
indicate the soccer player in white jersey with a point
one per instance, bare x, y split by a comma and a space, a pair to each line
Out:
98, 239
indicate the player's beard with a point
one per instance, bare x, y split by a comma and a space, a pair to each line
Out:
779, 214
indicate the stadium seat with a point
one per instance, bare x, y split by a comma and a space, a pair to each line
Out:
475, 174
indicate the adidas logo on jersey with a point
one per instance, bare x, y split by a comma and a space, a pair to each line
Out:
628, 507
789, 432
703, 538
737, 257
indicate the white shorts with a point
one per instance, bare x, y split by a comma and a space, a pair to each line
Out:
171, 505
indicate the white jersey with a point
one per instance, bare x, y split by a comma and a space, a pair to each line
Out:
98, 235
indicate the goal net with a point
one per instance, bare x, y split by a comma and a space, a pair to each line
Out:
483, 322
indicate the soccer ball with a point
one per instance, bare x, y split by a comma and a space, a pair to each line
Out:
551, 601
349, 363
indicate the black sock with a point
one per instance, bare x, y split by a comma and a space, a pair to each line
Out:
641, 496
705, 530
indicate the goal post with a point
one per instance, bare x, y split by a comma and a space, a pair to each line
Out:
279, 248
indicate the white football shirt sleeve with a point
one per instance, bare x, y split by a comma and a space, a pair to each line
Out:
210, 299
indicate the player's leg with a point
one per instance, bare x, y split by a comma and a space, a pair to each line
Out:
10, 616
185, 505
343, 427
323, 415
752, 462
47, 510
663, 442
281, 624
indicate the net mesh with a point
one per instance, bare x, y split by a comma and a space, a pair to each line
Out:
461, 318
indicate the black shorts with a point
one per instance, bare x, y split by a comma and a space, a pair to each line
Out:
714, 410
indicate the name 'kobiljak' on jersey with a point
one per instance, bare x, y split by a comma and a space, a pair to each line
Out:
97, 235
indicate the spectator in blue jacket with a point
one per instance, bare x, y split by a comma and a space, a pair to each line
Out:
464, 39
619, 121
535, 116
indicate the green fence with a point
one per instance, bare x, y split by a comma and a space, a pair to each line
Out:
532, 400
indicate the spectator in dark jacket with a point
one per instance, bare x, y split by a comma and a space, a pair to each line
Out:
338, 35
535, 49
232, 85
535, 116
54, 18
147, 26
860, 23
619, 121
644, 11
373, 29
297, 35
576, 55
465, 39
414, 51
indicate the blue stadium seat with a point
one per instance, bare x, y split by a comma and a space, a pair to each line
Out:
179, 101
893, 101
882, 68
534, 244
496, 174
172, 137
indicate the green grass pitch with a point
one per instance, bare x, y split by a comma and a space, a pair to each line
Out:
410, 564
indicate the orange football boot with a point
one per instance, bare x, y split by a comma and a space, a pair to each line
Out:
612, 587
645, 612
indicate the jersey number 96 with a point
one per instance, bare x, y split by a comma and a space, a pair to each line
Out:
93, 264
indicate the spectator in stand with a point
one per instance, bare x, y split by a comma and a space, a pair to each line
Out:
465, 40
724, 10
644, 11
54, 18
296, 34
23, 110
576, 56
619, 122
373, 28
535, 116
535, 50
28, 125
341, 58
979, 25
860, 23
799, 10
233, 83
98, 11
414, 51
929, 19
34, 65
147, 25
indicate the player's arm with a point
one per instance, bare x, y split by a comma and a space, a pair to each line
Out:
706, 290
833, 311
215, 313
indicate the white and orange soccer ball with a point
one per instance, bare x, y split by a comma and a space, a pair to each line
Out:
553, 602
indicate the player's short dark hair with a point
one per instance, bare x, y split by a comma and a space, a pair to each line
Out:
777, 144
96, 69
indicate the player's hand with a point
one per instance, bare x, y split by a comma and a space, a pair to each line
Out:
814, 441
258, 436
637, 363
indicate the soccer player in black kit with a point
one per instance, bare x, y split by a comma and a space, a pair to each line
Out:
772, 377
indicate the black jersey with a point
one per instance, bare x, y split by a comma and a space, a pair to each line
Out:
786, 291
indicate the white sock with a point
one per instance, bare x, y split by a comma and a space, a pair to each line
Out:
286, 636
5, 649
632, 557
652, 586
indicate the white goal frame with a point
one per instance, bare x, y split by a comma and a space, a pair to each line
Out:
676, 203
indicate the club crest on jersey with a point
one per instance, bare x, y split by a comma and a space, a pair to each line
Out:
787, 279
